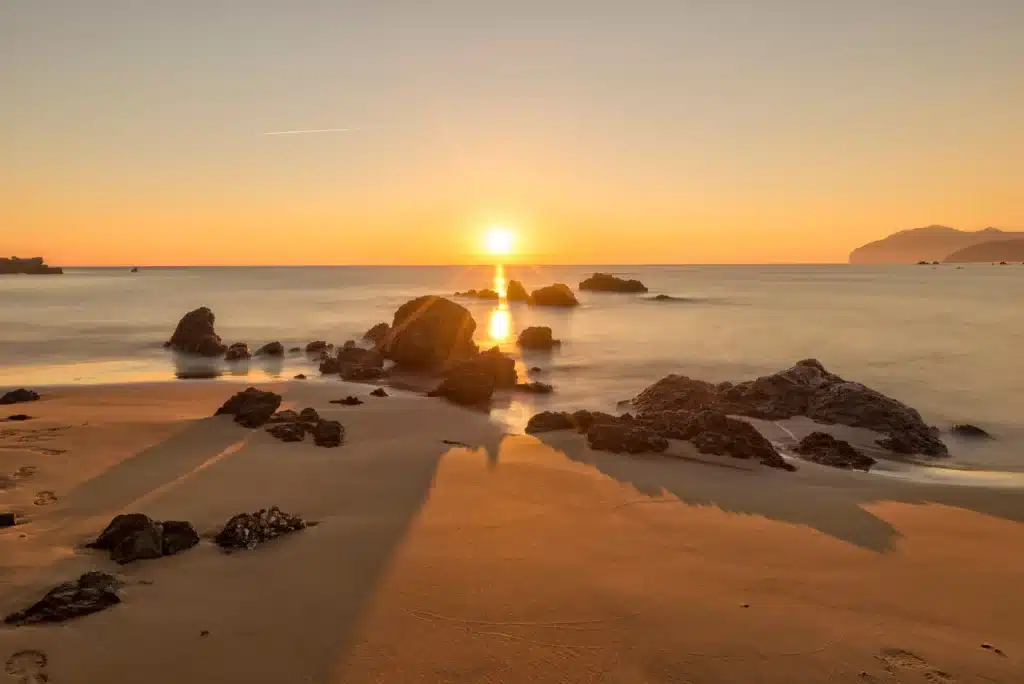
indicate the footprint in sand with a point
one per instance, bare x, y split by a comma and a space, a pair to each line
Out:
45, 498
896, 660
27, 667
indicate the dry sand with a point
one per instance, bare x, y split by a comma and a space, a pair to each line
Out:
513, 560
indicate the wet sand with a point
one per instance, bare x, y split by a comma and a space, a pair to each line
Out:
512, 560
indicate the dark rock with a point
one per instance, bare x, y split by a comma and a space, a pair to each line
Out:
348, 401
467, 386
558, 294
318, 346
247, 530
286, 416
237, 352
349, 344
825, 449
536, 369
359, 365
500, 368
195, 334
309, 415
583, 420
7, 520
550, 421
271, 349
91, 593
515, 292
379, 392
120, 528
714, 432
537, 337
135, 536
19, 396
328, 433
965, 430
677, 392
300, 376
294, 350
605, 282
378, 333
330, 365
429, 332
625, 437
923, 263
288, 432
178, 536
535, 387
479, 294
19, 417
667, 298
251, 408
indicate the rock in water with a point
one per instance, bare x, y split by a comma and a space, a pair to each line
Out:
825, 449
318, 346
379, 392
91, 593
237, 352
19, 396
429, 332
606, 282
328, 433
550, 421
497, 367
968, 430
195, 334
251, 408
625, 437
515, 292
479, 294
271, 349
357, 365
377, 334
535, 387
348, 401
288, 432
558, 294
468, 387
537, 337
247, 530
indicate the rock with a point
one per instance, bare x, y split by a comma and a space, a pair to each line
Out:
358, 365
286, 416
318, 346
625, 437
251, 408
300, 376
349, 344
667, 298
328, 433
378, 333
535, 387
247, 530
550, 421
479, 294
554, 295
583, 420
963, 430
31, 266
120, 528
271, 349
825, 449
91, 593
17, 417
714, 432
536, 369
237, 352
605, 282
309, 415
178, 536
348, 401
498, 367
7, 520
195, 334
330, 365
537, 337
135, 536
467, 386
677, 392
515, 292
19, 396
379, 392
923, 263
429, 332
288, 432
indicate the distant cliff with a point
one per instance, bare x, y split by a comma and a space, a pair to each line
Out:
33, 266
997, 250
932, 243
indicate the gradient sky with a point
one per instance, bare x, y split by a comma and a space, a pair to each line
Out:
678, 131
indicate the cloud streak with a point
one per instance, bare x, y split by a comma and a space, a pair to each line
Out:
304, 131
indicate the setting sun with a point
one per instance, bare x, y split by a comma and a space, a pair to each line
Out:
499, 241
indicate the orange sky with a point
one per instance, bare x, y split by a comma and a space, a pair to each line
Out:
659, 133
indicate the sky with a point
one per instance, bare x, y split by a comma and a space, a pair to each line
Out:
676, 131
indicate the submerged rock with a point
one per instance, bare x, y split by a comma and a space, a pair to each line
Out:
247, 530
825, 449
606, 282
429, 332
318, 346
535, 387
516, 292
968, 430
271, 349
90, 593
237, 352
625, 437
479, 294
251, 408
195, 334
558, 294
537, 337
19, 396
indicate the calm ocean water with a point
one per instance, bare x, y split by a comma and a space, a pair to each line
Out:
946, 341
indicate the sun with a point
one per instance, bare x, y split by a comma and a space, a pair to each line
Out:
499, 241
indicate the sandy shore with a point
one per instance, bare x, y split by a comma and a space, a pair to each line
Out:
512, 560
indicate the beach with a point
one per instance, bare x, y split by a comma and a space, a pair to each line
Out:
513, 558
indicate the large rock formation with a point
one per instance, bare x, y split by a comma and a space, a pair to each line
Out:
931, 243
806, 389
516, 292
606, 282
429, 332
195, 334
33, 266
558, 294
251, 408
537, 337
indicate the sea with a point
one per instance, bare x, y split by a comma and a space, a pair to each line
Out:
946, 340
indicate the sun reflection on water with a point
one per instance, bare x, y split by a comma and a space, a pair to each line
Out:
499, 326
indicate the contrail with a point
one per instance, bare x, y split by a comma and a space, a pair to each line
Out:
316, 130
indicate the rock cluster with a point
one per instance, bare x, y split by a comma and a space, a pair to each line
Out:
606, 282
251, 408
537, 337
354, 364
247, 530
90, 593
825, 449
195, 334
348, 401
625, 436
480, 294
135, 536
289, 426
19, 396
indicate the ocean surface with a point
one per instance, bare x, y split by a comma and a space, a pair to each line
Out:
947, 341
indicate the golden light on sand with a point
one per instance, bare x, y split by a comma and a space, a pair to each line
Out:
499, 241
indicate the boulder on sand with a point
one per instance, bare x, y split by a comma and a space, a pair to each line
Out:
328, 433
429, 332
549, 421
135, 536
558, 294
237, 352
468, 386
606, 282
247, 530
537, 337
271, 349
825, 449
516, 292
90, 593
288, 432
195, 334
713, 432
19, 396
251, 408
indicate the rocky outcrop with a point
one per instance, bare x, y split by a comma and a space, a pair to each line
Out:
377, 334
968, 430
251, 408
806, 389
195, 334
90, 593
271, 349
33, 266
537, 337
19, 396
248, 530
516, 292
289, 426
430, 332
135, 536
823, 448
713, 432
625, 437
237, 352
558, 294
606, 282
479, 294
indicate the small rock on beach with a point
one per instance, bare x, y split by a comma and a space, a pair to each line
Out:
19, 396
90, 593
247, 530
251, 408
